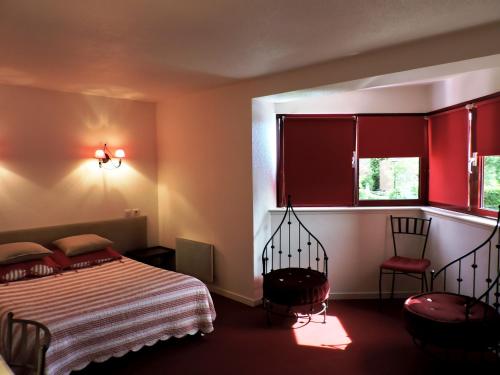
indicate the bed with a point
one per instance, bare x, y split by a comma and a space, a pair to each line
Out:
107, 310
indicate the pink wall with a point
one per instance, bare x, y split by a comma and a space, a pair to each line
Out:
47, 173
205, 187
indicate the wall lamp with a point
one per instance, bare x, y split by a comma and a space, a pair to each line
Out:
104, 156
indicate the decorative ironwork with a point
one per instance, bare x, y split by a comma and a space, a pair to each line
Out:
304, 252
492, 287
476, 328
320, 250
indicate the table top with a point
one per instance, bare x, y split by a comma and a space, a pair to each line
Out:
150, 252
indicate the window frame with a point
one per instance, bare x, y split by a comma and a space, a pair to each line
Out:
282, 187
422, 190
356, 202
474, 170
477, 190
476, 160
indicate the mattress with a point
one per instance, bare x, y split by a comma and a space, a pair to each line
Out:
108, 310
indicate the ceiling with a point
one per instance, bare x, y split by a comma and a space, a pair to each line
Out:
150, 49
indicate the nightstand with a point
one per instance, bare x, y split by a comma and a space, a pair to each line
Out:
158, 256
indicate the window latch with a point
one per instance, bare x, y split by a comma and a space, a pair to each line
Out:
472, 161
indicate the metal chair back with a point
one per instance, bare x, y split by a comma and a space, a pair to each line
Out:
27, 342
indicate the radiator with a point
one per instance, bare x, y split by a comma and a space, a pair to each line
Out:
194, 259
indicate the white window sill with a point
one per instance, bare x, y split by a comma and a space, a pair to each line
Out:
347, 209
458, 216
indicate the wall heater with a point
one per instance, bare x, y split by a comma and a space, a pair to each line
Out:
195, 259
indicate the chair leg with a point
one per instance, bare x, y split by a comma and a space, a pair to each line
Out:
393, 280
422, 283
380, 285
267, 307
425, 281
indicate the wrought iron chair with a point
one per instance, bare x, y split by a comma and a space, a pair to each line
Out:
295, 268
34, 336
465, 317
400, 265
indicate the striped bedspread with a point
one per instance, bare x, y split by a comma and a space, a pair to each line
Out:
108, 310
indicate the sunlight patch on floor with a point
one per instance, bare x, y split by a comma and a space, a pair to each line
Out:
331, 335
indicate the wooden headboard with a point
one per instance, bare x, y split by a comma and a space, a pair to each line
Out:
127, 234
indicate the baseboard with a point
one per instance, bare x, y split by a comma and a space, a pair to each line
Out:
234, 296
370, 295
333, 296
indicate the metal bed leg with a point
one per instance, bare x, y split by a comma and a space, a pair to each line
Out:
426, 283
268, 313
380, 285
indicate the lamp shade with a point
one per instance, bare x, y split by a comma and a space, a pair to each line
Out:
119, 153
100, 154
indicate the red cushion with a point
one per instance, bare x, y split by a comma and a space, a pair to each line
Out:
404, 264
440, 318
85, 260
32, 268
296, 286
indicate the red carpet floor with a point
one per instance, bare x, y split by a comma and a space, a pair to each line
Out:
359, 338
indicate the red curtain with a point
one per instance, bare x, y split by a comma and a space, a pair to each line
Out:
448, 176
488, 127
392, 136
315, 161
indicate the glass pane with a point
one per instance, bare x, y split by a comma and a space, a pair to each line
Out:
389, 178
491, 183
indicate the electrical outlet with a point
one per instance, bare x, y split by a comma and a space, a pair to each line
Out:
136, 212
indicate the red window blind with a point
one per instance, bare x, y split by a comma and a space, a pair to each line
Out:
488, 127
392, 136
448, 176
315, 161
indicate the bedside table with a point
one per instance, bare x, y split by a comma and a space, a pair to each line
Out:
158, 256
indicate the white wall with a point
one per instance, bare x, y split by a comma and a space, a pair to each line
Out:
48, 175
205, 182
205, 148
358, 240
402, 99
466, 86
264, 166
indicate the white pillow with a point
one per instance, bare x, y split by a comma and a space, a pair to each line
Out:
81, 244
16, 252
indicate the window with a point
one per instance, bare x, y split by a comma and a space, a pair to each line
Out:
318, 166
392, 166
389, 178
490, 192
450, 159
314, 160
485, 146
448, 148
